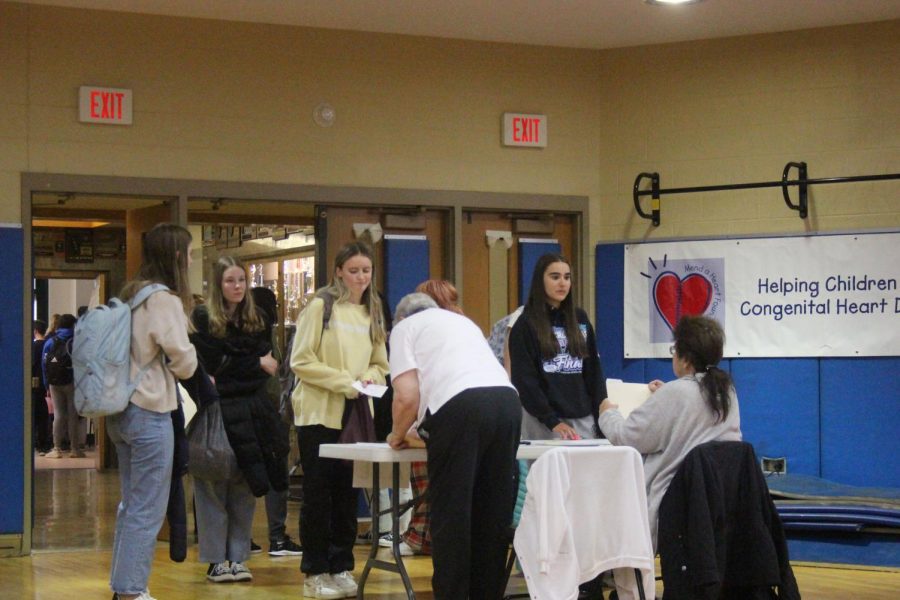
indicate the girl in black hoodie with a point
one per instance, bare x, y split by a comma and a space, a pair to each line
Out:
554, 361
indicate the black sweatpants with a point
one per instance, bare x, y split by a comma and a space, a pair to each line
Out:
472, 443
328, 512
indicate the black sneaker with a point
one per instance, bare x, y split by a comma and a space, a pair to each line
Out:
219, 572
255, 548
285, 547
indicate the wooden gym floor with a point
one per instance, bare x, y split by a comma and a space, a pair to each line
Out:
75, 517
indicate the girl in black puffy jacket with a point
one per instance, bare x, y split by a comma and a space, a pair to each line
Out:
233, 343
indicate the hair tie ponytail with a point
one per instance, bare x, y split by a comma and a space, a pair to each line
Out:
710, 368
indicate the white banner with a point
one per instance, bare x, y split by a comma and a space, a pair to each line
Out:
830, 295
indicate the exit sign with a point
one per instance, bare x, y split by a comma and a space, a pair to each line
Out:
104, 105
525, 130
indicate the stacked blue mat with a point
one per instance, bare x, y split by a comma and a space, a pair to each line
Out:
830, 522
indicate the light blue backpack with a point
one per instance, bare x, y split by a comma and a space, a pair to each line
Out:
101, 356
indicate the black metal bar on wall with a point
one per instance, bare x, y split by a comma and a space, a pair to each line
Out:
802, 182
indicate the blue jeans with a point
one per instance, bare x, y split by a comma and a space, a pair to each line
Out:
145, 444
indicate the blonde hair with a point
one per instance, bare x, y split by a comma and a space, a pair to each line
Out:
245, 315
370, 298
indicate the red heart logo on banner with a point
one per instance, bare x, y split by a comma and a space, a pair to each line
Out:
675, 297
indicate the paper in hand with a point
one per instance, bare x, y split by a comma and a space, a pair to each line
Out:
627, 395
373, 389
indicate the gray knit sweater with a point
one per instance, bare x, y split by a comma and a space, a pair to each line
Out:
665, 428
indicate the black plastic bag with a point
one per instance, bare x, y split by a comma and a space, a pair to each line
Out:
210, 456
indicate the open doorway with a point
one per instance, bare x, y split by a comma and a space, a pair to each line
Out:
80, 256
59, 298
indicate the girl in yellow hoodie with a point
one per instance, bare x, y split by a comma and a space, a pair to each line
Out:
327, 359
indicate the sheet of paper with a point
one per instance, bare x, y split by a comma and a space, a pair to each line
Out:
627, 395
373, 389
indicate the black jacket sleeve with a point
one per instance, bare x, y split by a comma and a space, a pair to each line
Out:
592, 370
526, 364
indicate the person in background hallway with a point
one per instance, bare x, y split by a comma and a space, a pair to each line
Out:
234, 343
58, 377
446, 379
43, 440
327, 361
700, 406
553, 358
143, 433
280, 543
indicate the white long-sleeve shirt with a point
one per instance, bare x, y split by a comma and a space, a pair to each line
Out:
585, 513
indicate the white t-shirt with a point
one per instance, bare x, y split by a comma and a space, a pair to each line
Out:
450, 354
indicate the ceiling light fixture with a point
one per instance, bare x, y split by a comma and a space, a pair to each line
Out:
670, 2
324, 115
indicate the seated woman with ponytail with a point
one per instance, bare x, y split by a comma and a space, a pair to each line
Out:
700, 406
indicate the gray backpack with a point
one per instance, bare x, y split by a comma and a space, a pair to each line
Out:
101, 356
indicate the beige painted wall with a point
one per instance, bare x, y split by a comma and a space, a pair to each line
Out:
737, 110
233, 101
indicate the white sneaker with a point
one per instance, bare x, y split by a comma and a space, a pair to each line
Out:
346, 583
55, 453
240, 572
387, 541
321, 586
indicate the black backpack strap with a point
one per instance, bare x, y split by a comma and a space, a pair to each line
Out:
328, 300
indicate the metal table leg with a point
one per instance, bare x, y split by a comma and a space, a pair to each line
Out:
373, 562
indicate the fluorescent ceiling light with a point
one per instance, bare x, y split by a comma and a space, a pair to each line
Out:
671, 2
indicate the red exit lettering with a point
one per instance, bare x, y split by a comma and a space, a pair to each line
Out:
526, 129
106, 105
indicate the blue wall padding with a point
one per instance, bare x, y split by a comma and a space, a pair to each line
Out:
837, 511
779, 399
406, 265
529, 253
12, 415
609, 281
860, 519
657, 368
863, 548
861, 420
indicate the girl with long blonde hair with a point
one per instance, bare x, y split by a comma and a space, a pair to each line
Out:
329, 355
235, 347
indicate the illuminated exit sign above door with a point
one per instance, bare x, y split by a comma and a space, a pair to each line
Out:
525, 130
104, 105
